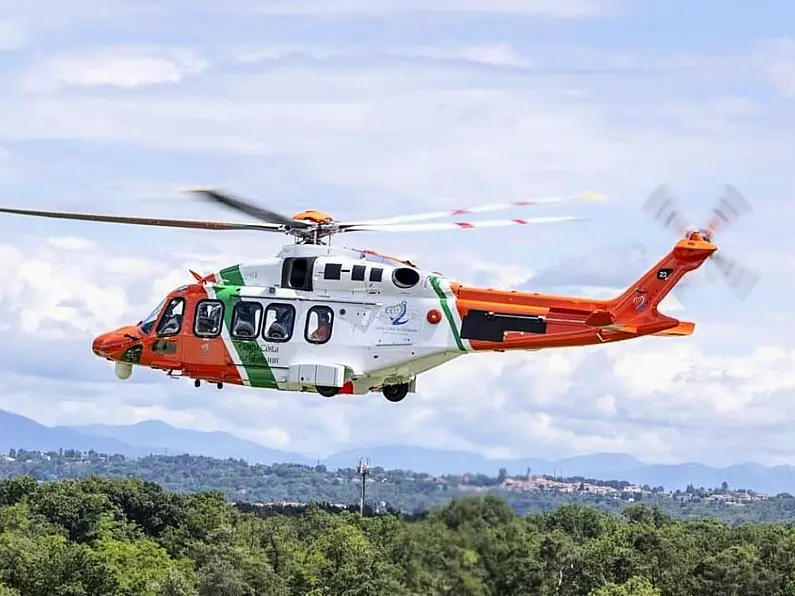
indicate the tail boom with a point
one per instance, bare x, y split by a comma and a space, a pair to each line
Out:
497, 320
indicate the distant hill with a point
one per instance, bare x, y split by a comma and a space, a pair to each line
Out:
166, 438
140, 439
19, 432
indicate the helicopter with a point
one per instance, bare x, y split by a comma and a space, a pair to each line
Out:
344, 321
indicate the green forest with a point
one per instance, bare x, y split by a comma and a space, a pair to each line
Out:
114, 536
400, 490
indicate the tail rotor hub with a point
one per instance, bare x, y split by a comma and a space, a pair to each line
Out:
699, 234
730, 206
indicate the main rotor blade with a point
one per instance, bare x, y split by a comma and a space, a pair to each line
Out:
741, 279
731, 206
147, 221
663, 208
216, 196
399, 219
455, 225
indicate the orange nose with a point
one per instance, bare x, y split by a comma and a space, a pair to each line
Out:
108, 343
99, 346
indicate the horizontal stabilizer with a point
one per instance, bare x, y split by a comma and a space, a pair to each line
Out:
683, 328
622, 327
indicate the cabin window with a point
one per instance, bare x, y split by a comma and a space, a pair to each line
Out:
171, 321
246, 320
332, 271
319, 321
279, 322
376, 273
209, 318
358, 273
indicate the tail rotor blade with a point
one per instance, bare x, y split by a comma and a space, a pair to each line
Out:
731, 206
662, 206
741, 279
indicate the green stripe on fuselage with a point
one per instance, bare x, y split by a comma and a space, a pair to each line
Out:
232, 276
248, 352
437, 287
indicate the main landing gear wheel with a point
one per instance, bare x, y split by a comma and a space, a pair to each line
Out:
327, 391
396, 393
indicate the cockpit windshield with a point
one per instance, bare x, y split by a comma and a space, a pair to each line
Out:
149, 322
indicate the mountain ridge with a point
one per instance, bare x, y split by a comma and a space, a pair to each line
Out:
157, 437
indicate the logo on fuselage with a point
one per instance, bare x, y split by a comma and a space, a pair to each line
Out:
640, 301
397, 313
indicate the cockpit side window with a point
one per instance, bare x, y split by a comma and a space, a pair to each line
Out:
209, 318
149, 322
246, 320
171, 321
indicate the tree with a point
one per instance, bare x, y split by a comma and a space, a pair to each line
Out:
220, 578
634, 586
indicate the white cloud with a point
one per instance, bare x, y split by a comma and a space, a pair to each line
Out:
499, 54
71, 243
545, 8
418, 131
658, 398
12, 35
115, 66
775, 58
12, 169
363, 129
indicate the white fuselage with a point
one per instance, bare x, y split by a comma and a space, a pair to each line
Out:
381, 330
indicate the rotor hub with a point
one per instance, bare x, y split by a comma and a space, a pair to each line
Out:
313, 216
696, 234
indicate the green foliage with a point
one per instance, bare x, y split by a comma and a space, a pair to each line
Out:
634, 586
400, 490
129, 537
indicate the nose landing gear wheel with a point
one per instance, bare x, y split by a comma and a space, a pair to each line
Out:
395, 393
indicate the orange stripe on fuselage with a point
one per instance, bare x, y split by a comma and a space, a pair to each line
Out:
198, 358
205, 358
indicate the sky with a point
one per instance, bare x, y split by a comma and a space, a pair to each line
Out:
384, 107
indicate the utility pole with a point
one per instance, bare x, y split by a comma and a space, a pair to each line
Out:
363, 469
